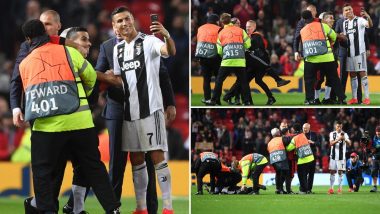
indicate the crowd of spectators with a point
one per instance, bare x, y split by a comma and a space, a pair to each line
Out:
276, 20
234, 133
94, 15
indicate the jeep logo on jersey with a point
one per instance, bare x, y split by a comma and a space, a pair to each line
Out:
131, 65
351, 31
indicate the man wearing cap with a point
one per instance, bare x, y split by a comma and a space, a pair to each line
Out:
207, 53
375, 158
354, 172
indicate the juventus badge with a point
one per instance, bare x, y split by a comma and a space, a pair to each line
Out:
138, 49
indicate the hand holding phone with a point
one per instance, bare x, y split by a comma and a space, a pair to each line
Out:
153, 18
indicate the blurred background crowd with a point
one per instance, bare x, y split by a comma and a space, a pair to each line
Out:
277, 19
95, 16
233, 133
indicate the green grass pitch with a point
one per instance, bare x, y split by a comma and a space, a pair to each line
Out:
288, 99
16, 205
268, 202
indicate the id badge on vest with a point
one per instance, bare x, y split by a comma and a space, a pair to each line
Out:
314, 47
277, 156
205, 50
304, 151
233, 51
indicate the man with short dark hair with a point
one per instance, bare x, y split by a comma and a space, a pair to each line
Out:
113, 115
143, 124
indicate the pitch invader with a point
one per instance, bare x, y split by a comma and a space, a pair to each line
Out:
354, 28
338, 142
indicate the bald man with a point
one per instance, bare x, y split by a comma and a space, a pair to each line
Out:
314, 142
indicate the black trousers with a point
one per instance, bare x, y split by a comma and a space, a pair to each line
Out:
256, 175
255, 69
304, 172
310, 178
330, 68
209, 68
241, 79
290, 176
209, 166
344, 78
228, 179
356, 177
282, 173
118, 161
48, 152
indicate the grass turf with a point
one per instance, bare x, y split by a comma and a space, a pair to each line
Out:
16, 205
268, 202
288, 99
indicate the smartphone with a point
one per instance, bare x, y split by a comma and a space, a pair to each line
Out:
153, 18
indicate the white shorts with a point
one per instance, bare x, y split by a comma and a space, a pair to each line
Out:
337, 165
146, 134
357, 63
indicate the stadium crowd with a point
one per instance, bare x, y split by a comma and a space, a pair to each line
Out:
94, 15
234, 133
278, 26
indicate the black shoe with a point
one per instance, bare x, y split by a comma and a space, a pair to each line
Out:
212, 103
248, 103
227, 99
310, 192
309, 102
263, 187
67, 209
341, 102
282, 82
317, 102
204, 101
254, 193
199, 193
291, 192
327, 101
29, 209
280, 192
237, 102
115, 211
271, 101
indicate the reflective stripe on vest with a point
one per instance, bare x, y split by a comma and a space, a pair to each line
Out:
206, 41
255, 158
231, 39
303, 148
208, 155
314, 41
49, 82
276, 150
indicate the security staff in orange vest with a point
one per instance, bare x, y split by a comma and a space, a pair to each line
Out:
277, 157
258, 64
232, 43
207, 163
57, 80
305, 156
317, 39
207, 53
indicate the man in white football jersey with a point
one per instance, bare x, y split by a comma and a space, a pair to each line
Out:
136, 69
354, 28
338, 141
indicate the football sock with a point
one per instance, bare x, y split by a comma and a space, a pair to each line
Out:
340, 179
79, 192
365, 86
327, 92
164, 180
140, 183
354, 87
316, 93
332, 180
